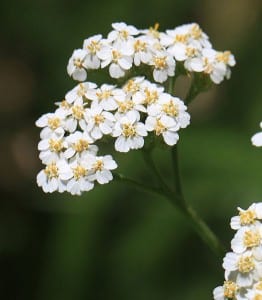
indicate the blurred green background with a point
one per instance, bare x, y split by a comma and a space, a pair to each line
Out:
116, 242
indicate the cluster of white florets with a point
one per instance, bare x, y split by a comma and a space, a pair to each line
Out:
243, 266
257, 138
69, 137
126, 47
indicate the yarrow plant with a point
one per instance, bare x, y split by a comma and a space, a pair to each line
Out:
138, 109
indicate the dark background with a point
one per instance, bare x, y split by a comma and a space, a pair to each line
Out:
116, 242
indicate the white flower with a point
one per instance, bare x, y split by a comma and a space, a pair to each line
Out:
165, 126
248, 238
119, 58
129, 133
229, 290
76, 65
80, 181
106, 96
78, 144
100, 168
52, 123
247, 217
81, 91
255, 293
164, 66
54, 177
99, 122
142, 50
149, 94
92, 45
257, 138
172, 107
244, 268
122, 32
51, 149
76, 116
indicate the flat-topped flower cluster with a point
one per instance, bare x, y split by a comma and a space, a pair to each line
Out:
89, 113
126, 113
243, 266
126, 47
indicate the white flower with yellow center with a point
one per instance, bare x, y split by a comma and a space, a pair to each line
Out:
81, 92
165, 126
244, 268
122, 32
208, 64
130, 133
119, 59
247, 217
142, 50
78, 144
229, 290
52, 123
248, 238
257, 138
163, 66
98, 122
76, 116
76, 65
51, 149
92, 45
149, 94
172, 107
255, 293
80, 181
133, 85
106, 96
100, 168
54, 177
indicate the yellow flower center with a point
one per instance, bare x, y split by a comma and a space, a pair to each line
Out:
55, 145
116, 55
64, 104
259, 285
139, 46
94, 46
181, 38
125, 106
53, 123
251, 238
78, 62
190, 51
81, 145
258, 297
196, 32
151, 96
98, 166
131, 86
99, 119
170, 109
223, 56
129, 130
247, 217
160, 62
246, 264
78, 112
208, 68
230, 289
104, 94
159, 127
79, 172
124, 34
51, 171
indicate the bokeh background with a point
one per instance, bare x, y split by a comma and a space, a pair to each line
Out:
116, 242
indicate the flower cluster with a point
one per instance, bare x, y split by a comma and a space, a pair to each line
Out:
69, 136
257, 138
126, 47
243, 266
